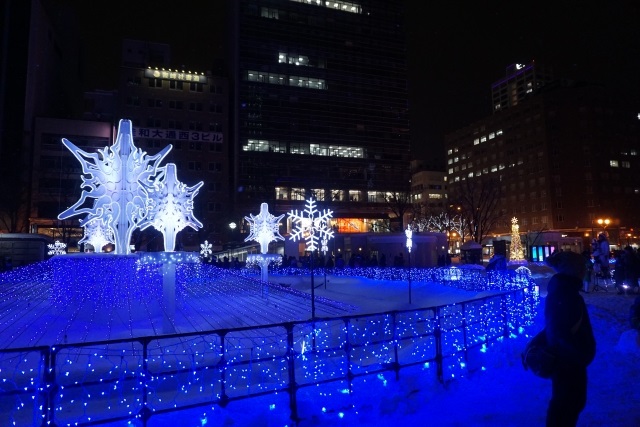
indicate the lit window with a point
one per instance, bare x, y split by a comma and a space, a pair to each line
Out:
613, 163
476, 141
625, 164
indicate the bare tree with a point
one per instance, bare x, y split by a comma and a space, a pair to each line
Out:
479, 200
398, 204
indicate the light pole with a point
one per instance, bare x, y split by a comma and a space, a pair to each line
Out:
409, 233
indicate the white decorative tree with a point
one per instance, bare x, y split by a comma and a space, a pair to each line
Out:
119, 180
312, 226
515, 253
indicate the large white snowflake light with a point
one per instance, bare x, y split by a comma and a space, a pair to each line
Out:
125, 189
171, 206
311, 225
57, 248
264, 228
116, 179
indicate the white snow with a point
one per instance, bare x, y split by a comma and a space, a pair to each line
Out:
503, 394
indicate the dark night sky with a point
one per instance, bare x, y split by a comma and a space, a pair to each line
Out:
456, 48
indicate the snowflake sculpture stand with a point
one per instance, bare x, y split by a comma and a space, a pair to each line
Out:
312, 226
123, 188
264, 230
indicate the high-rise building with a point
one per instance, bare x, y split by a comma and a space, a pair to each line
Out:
520, 82
39, 77
188, 110
319, 107
562, 159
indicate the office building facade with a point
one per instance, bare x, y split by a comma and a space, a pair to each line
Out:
562, 159
188, 110
319, 107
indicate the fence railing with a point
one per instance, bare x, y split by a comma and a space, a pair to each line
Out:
140, 379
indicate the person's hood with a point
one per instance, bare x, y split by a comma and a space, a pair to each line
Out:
567, 262
564, 284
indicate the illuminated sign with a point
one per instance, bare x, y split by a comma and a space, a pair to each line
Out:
174, 75
179, 135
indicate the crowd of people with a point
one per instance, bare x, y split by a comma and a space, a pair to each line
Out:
626, 265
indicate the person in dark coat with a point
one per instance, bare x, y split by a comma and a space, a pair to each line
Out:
570, 337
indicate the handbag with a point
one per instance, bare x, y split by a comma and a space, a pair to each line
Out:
537, 355
538, 358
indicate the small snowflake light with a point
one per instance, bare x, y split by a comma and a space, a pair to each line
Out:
205, 249
311, 225
57, 248
264, 228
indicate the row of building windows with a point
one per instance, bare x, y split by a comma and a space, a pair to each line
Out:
322, 195
299, 60
174, 84
155, 122
304, 148
135, 101
345, 6
283, 79
180, 145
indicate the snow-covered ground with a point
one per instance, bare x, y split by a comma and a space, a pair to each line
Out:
500, 394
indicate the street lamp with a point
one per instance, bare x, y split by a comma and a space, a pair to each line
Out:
603, 222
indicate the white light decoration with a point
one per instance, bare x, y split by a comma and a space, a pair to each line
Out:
264, 228
516, 254
409, 233
311, 225
57, 248
171, 206
205, 249
120, 179
97, 233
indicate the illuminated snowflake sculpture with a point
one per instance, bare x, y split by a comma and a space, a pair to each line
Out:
205, 249
57, 248
311, 225
264, 228
97, 233
171, 206
117, 183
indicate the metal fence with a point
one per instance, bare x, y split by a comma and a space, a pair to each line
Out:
137, 380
